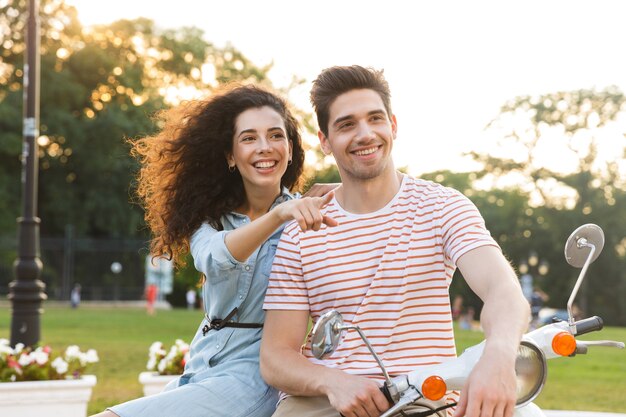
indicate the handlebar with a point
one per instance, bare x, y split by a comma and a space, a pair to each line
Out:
385, 390
589, 325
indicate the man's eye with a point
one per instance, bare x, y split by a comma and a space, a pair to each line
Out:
346, 125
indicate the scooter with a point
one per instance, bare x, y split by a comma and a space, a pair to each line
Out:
421, 392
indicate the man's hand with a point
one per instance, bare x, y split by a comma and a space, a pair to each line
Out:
320, 190
490, 389
355, 396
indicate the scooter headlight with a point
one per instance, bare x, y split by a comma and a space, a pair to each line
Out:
530, 369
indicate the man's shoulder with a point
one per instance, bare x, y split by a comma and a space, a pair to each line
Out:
428, 190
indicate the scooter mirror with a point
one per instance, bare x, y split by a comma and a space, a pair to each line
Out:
326, 334
577, 249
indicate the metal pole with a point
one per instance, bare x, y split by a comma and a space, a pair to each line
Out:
26, 293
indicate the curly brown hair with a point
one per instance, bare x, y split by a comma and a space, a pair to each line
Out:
184, 179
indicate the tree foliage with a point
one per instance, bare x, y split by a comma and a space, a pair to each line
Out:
99, 87
565, 152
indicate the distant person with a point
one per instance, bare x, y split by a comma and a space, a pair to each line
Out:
191, 298
216, 182
151, 296
466, 320
537, 300
75, 296
457, 307
160, 271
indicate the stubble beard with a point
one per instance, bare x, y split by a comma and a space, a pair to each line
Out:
359, 173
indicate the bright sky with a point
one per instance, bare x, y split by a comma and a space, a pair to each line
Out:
451, 64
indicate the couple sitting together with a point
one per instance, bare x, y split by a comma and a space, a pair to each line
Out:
381, 248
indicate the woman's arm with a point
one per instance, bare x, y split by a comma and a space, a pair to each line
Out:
243, 241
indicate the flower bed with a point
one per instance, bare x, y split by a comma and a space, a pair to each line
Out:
163, 366
35, 382
40, 364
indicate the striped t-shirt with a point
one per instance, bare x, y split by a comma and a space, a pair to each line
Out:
387, 272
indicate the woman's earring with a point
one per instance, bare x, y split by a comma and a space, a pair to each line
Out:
289, 162
231, 168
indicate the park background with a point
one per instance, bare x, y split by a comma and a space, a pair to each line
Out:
519, 105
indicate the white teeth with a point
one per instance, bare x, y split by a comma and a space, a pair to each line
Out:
366, 151
265, 164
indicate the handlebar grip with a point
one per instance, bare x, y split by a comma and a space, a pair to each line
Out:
591, 324
387, 394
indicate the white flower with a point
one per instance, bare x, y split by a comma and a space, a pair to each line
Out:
82, 358
162, 365
72, 352
151, 365
59, 365
25, 359
19, 347
156, 347
5, 347
40, 356
92, 356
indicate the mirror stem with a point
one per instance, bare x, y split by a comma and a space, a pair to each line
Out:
367, 343
581, 243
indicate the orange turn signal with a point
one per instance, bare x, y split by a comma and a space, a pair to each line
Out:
564, 344
434, 388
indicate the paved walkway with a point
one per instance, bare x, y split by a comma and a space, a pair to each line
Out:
559, 413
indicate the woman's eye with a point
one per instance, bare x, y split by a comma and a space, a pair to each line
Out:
247, 138
277, 136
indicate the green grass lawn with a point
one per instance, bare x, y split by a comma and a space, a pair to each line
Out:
122, 336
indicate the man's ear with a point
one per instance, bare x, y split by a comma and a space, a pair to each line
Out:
394, 126
324, 143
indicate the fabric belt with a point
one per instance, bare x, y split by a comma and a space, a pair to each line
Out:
218, 324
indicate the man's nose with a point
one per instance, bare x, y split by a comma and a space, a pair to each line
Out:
365, 131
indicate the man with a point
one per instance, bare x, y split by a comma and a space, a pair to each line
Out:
386, 267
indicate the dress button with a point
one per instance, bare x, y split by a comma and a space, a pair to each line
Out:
217, 346
240, 297
247, 268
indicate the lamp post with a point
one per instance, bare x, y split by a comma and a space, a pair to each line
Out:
26, 293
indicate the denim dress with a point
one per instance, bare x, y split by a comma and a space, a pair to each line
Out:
222, 376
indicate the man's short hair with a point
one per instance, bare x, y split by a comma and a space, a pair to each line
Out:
335, 81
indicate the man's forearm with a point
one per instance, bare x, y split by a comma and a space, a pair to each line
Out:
505, 315
292, 373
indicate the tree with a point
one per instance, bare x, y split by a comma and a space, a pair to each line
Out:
99, 87
566, 150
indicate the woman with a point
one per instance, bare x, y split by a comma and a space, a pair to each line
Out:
216, 180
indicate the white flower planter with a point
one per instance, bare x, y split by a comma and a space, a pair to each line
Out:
67, 398
153, 383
